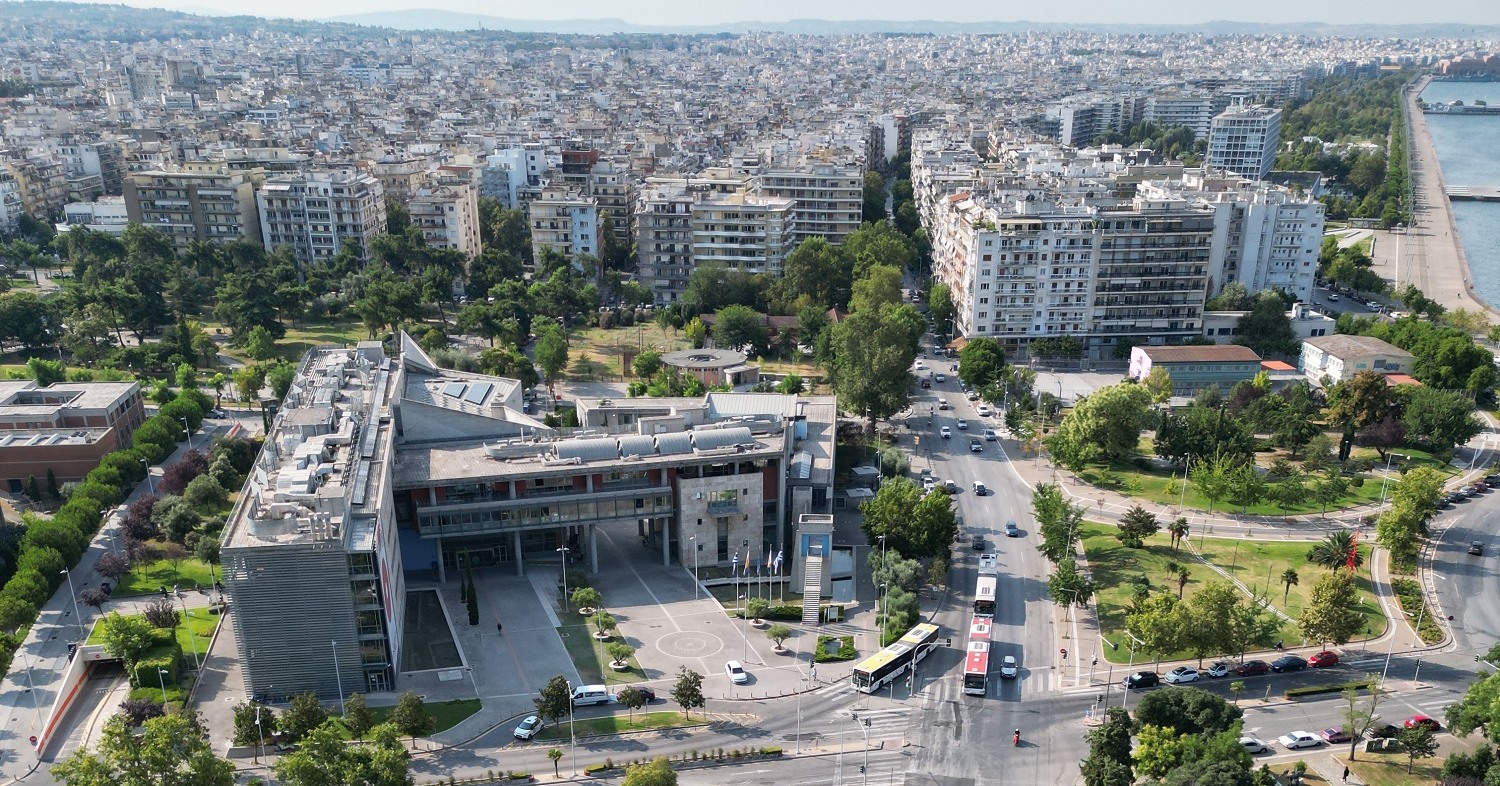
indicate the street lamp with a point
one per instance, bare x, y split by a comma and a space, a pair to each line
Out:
572, 738
697, 585
74, 595
150, 482
261, 749
916, 663
161, 677
563, 550
197, 663
338, 675
189, 429
1385, 481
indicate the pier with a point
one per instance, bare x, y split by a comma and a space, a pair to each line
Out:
1473, 193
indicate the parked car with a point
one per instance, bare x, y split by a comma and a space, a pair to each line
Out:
1255, 745
1324, 658
990, 435
1141, 679
1288, 663
736, 672
1250, 668
1011, 530
972, 395
1334, 736
1220, 669
928, 484
1009, 669
1181, 675
945, 432
1479, 488
1476, 548
1298, 739
983, 410
529, 728
1493, 479
976, 446
1384, 731
980, 489
1422, 720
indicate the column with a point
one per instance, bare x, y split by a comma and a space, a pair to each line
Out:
666, 540
442, 573
515, 544
593, 550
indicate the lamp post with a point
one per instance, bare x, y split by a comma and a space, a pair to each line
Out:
880, 618
338, 675
563, 550
697, 585
572, 737
812, 677
880, 594
197, 663
150, 481
916, 663
1125, 694
74, 595
105, 516
261, 749
189, 429
161, 677
1385, 481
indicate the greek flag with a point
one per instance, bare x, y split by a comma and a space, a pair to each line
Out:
735, 565
776, 566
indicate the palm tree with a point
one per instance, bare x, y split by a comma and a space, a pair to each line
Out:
1182, 580
1333, 551
1178, 529
1289, 578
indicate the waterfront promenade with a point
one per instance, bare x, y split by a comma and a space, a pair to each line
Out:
1430, 254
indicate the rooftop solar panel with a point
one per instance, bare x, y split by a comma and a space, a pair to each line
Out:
478, 392
455, 389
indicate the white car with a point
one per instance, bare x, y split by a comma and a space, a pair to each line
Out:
929, 484
1220, 669
963, 425
983, 410
945, 432
942, 403
1299, 739
1009, 668
736, 672
940, 377
921, 365
975, 446
529, 728
1255, 745
991, 436
1181, 674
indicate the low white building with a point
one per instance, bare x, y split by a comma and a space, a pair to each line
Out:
1340, 357
106, 214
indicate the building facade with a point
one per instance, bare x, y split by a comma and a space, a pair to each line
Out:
1244, 140
566, 222
744, 232
64, 427
216, 206
1194, 368
448, 217
318, 213
1337, 358
829, 197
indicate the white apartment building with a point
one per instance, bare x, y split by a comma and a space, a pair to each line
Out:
317, 213
210, 204
744, 231
448, 217
1244, 140
10, 204
1265, 237
106, 214
566, 222
1181, 109
830, 197
508, 172
664, 239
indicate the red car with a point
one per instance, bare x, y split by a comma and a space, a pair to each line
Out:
1422, 720
1324, 658
1251, 668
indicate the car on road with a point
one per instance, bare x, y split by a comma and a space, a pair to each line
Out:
736, 672
218, 413
980, 489
983, 410
1181, 675
648, 695
1333, 297
942, 403
978, 543
528, 728
1009, 668
1479, 488
926, 383
1324, 658
1298, 739
1384, 731
1219, 669
1444, 503
945, 432
921, 365
1255, 745
1422, 720
963, 425
1141, 679
1455, 496
928, 484
991, 436
1335, 735
1250, 668
1476, 548
975, 446
1011, 530
1288, 663
1493, 479
940, 377
972, 395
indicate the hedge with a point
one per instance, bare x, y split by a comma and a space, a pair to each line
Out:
69, 530
1314, 690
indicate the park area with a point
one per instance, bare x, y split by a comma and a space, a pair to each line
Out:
1117, 571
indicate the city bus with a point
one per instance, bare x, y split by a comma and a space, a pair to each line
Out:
878, 670
984, 596
977, 659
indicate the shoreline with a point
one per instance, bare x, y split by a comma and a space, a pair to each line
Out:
1436, 263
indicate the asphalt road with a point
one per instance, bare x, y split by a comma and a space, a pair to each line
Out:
1460, 578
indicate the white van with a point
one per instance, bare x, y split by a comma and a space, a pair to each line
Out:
585, 695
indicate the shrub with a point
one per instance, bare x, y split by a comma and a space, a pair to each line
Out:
29, 586
1314, 690
205, 494
183, 408
137, 523
177, 477
15, 612
141, 710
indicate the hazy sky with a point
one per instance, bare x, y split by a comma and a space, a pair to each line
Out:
697, 12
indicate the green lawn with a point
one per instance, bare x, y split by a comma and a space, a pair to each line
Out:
445, 714
150, 577
1114, 567
616, 724
1251, 562
591, 660
300, 338
1165, 488
199, 621
1389, 769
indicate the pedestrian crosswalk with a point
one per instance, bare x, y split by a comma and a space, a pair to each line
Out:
884, 724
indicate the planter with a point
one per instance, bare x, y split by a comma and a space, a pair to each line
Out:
602, 636
780, 650
758, 623
619, 666
587, 611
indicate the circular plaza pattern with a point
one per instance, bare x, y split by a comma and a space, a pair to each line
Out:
690, 644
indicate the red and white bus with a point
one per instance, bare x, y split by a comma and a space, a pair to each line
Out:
977, 658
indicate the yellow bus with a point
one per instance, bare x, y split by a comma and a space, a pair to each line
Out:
878, 670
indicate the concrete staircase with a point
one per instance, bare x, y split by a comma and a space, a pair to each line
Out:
812, 591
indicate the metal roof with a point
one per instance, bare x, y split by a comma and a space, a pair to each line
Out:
709, 439
727, 405
637, 446
596, 449
674, 443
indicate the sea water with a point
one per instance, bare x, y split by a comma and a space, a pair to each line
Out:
1468, 149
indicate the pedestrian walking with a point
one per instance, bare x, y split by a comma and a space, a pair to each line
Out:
498, 628
1346, 774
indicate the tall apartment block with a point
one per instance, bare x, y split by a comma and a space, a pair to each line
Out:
664, 240
1244, 140
448, 217
830, 197
318, 213
744, 231
400, 178
565, 221
216, 206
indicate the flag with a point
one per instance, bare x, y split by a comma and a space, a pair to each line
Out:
1353, 550
777, 565
734, 565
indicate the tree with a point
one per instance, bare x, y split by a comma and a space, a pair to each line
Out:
586, 598
688, 690
1437, 419
740, 327
1109, 762
1159, 624
1267, 329
162, 615
1358, 719
1330, 488
141, 710
1158, 383
874, 197
551, 354
260, 344
1135, 526
555, 754
1334, 550
1107, 425
357, 717
1058, 521
247, 383
777, 633
1178, 529
1289, 492
646, 364
279, 376
410, 717
1332, 613
818, 270
302, 716
1068, 587
554, 700
873, 354
1418, 742
630, 697
1246, 487
127, 638
1159, 750
940, 306
658, 772
1289, 579
1180, 574
980, 362
173, 749
1188, 710
1358, 402
323, 758
914, 523
1212, 479
696, 331
1479, 709
91, 596
45, 372
1237, 687
880, 285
